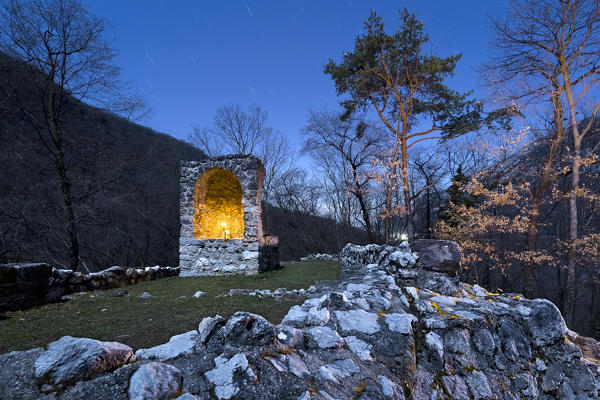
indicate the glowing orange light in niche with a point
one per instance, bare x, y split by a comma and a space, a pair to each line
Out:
218, 211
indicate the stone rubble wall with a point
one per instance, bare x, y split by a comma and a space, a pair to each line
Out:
26, 285
23, 285
218, 256
395, 331
65, 281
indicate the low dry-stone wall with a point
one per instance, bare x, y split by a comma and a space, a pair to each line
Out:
26, 285
320, 256
391, 328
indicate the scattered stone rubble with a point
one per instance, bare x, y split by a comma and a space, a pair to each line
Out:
265, 293
319, 256
391, 328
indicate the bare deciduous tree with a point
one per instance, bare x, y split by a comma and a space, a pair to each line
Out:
355, 143
58, 48
245, 130
550, 51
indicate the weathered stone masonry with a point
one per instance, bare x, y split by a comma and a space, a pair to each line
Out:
209, 208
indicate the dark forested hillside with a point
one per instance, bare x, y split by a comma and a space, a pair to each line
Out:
301, 233
125, 189
125, 192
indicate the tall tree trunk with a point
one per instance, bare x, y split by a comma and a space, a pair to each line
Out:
65, 182
532, 237
359, 195
388, 195
571, 271
576, 165
427, 196
410, 229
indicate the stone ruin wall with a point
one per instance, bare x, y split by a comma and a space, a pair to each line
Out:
217, 256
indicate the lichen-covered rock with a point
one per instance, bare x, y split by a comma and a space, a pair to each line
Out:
71, 359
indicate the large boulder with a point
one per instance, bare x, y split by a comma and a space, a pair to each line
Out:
438, 255
72, 359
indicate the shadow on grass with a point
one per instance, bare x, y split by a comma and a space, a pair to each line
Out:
143, 323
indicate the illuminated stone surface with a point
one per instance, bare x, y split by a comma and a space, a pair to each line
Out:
220, 214
218, 211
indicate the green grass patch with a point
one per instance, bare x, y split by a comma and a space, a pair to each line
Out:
142, 323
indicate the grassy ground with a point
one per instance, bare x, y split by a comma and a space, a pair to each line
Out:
144, 323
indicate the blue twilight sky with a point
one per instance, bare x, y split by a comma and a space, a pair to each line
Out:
187, 58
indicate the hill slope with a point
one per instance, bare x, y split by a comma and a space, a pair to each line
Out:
126, 188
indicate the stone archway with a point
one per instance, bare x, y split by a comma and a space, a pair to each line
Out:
218, 210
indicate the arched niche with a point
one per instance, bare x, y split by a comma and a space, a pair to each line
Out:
218, 210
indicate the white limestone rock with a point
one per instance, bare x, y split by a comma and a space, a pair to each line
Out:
435, 347
479, 385
222, 375
325, 338
249, 255
176, 346
403, 259
188, 396
357, 287
358, 320
156, 381
207, 326
343, 368
387, 387
304, 396
400, 322
362, 303
317, 316
295, 317
360, 348
296, 366
327, 374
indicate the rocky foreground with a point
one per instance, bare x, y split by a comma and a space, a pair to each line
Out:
396, 326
